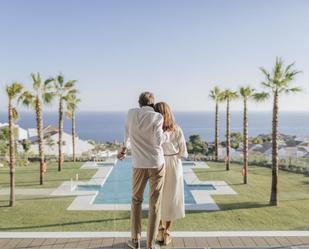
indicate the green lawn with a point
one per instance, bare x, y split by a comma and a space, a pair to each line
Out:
248, 210
28, 176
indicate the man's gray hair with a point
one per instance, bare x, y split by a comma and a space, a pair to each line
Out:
146, 99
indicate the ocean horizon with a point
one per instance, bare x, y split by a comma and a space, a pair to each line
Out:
105, 126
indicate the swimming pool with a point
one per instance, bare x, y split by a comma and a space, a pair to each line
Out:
117, 187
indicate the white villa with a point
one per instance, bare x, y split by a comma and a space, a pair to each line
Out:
235, 154
295, 149
287, 149
51, 140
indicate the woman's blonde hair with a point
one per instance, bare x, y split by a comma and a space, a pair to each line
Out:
169, 122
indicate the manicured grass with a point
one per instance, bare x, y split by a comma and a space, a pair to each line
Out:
28, 176
249, 210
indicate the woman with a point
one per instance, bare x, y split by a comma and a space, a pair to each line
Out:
172, 205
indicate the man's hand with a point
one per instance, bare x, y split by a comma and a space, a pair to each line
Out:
122, 154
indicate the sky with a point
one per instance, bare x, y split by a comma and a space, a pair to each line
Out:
177, 49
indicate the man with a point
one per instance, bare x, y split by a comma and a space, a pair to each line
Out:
144, 134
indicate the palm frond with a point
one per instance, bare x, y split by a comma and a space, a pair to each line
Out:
293, 90
27, 99
14, 89
289, 67
212, 95
260, 97
72, 102
215, 93
278, 71
63, 89
266, 73
70, 84
267, 84
281, 77
246, 91
48, 97
60, 79
72, 92
48, 82
228, 94
36, 81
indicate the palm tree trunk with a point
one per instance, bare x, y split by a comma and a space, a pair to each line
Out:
12, 155
73, 135
216, 131
245, 142
60, 156
39, 122
275, 160
228, 138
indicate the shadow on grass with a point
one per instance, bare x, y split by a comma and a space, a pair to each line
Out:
306, 182
288, 200
49, 170
235, 206
26, 171
3, 205
208, 171
19, 171
242, 205
237, 184
302, 228
63, 224
36, 183
47, 198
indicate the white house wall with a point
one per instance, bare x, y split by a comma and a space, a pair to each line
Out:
67, 148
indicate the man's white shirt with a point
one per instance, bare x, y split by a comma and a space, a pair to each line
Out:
145, 136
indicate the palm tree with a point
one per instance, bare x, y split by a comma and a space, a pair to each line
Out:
72, 103
278, 82
216, 96
248, 93
42, 93
12, 92
63, 91
228, 95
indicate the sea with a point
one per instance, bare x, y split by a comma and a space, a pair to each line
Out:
109, 126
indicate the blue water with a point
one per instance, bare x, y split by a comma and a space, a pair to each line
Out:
117, 188
109, 126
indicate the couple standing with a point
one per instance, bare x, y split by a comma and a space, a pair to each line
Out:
157, 144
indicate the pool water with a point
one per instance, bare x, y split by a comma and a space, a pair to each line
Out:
117, 188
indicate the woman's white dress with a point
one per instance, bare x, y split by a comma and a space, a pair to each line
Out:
173, 205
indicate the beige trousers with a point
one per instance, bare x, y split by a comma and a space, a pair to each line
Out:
140, 179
